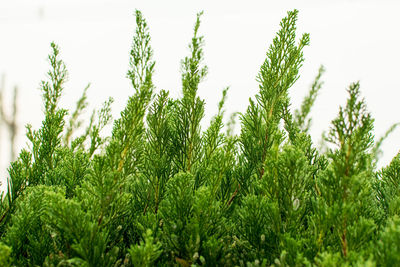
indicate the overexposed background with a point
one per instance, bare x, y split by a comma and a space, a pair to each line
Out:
353, 39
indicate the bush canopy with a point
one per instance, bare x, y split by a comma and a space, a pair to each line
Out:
162, 191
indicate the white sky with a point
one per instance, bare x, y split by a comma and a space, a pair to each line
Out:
354, 40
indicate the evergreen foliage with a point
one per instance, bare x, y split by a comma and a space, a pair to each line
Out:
160, 191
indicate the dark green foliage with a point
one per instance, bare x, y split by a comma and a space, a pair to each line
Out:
158, 152
160, 191
257, 227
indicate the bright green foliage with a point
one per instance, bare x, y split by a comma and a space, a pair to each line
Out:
46, 140
126, 145
145, 253
85, 240
5, 253
388, 251
260, 124
160, 191
189, 110
27, 234
388, 187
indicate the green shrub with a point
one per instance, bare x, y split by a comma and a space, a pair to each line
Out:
162, 191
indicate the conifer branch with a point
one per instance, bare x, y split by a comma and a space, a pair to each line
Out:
277, 74
74, 122
190, 109
163, 192
300, 116
129, 129
46, 140
376, 150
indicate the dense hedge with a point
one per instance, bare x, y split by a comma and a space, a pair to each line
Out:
160, 191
